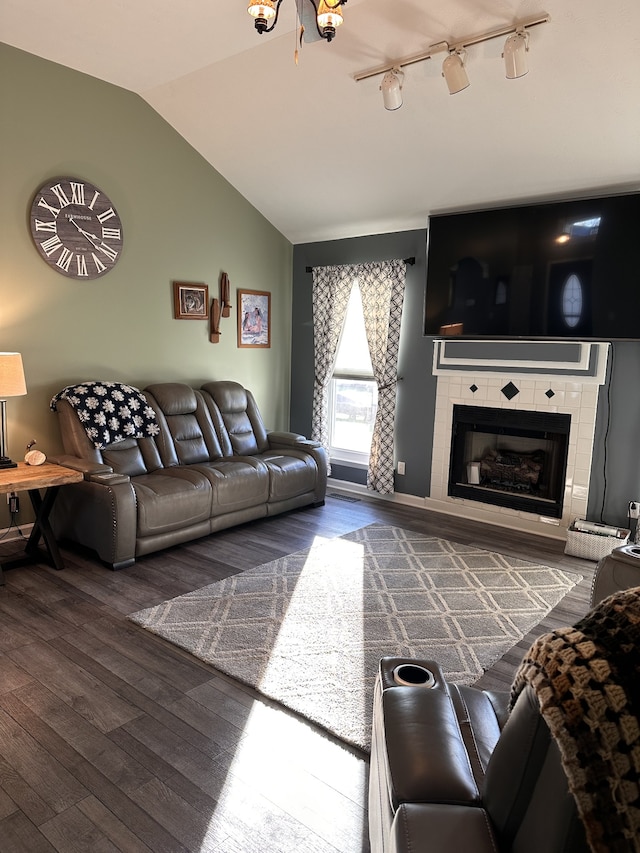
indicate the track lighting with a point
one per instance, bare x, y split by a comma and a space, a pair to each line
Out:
454, 72
391, 88
515, 54
453, 67
328, 15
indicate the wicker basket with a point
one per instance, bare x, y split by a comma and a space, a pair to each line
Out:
593, 546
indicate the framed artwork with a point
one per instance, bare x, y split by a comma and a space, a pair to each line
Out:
254, 318
190, 301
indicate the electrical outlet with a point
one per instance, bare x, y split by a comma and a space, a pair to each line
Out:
634, 509
14, 503
401, 468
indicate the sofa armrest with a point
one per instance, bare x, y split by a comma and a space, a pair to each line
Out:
286, 439
107, 478
100, 513
425, 755
77, 463
293, 441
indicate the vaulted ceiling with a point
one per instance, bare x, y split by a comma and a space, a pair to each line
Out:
317, 153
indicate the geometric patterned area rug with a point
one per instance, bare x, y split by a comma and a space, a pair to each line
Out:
308, 630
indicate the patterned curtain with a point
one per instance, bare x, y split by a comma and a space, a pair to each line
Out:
331, 290
382, 288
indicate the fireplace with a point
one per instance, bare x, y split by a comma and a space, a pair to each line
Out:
509, 378
510, 458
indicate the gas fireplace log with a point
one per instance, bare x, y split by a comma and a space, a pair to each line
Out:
523, 469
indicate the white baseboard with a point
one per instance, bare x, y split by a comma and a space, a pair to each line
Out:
343, 486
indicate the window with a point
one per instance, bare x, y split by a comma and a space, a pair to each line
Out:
353, 397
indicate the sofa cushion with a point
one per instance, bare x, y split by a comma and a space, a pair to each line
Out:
438, 829
170, 499
292, 473
125, 457
187, 433
481, 716
236, 483
239, 420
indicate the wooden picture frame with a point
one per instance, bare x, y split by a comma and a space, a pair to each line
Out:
190, 301
254, 318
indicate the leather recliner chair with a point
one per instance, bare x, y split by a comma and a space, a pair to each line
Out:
618, 570
452, 770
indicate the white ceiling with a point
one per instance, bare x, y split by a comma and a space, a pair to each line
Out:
316, 152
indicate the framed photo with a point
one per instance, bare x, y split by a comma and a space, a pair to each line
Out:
190, 301
254, 318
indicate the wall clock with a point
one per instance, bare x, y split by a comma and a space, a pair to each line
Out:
76, 228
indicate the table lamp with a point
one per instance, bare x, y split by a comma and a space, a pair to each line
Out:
12, 384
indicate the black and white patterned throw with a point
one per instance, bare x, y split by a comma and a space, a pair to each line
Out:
110, 411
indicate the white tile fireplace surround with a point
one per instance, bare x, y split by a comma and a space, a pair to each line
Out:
540, 376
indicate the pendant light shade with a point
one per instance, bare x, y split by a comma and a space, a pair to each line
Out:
263, 13
329, 18
326, 13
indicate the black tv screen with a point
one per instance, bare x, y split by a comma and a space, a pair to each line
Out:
554, 270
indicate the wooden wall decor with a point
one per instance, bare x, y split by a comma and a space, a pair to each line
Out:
220, 308
225, 295
214, 333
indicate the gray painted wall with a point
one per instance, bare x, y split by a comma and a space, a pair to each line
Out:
181, 220
616, 465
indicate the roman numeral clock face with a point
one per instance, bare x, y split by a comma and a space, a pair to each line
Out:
76, 228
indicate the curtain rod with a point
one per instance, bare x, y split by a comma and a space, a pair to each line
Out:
409, 261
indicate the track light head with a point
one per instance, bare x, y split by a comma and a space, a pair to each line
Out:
454, 72
391, 88
515, 54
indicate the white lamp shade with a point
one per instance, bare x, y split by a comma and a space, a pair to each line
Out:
12, 383
266, 9
328, 17
454, 73
391, 88
515, 56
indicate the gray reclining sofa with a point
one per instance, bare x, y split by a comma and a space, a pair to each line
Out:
209, 464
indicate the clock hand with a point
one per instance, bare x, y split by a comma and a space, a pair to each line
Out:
89, 237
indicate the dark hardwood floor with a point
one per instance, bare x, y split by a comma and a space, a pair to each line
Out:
113, 740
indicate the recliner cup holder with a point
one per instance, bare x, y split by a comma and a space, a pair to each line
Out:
413, 675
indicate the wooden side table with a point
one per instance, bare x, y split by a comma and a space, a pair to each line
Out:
33, 478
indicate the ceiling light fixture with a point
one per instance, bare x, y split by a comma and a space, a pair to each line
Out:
515, 54
391, 88
328, 15
453, 70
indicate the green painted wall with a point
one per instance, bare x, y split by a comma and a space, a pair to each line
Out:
181, 220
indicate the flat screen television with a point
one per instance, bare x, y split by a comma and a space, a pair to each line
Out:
565, 269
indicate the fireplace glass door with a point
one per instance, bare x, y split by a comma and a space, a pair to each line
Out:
510, 458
